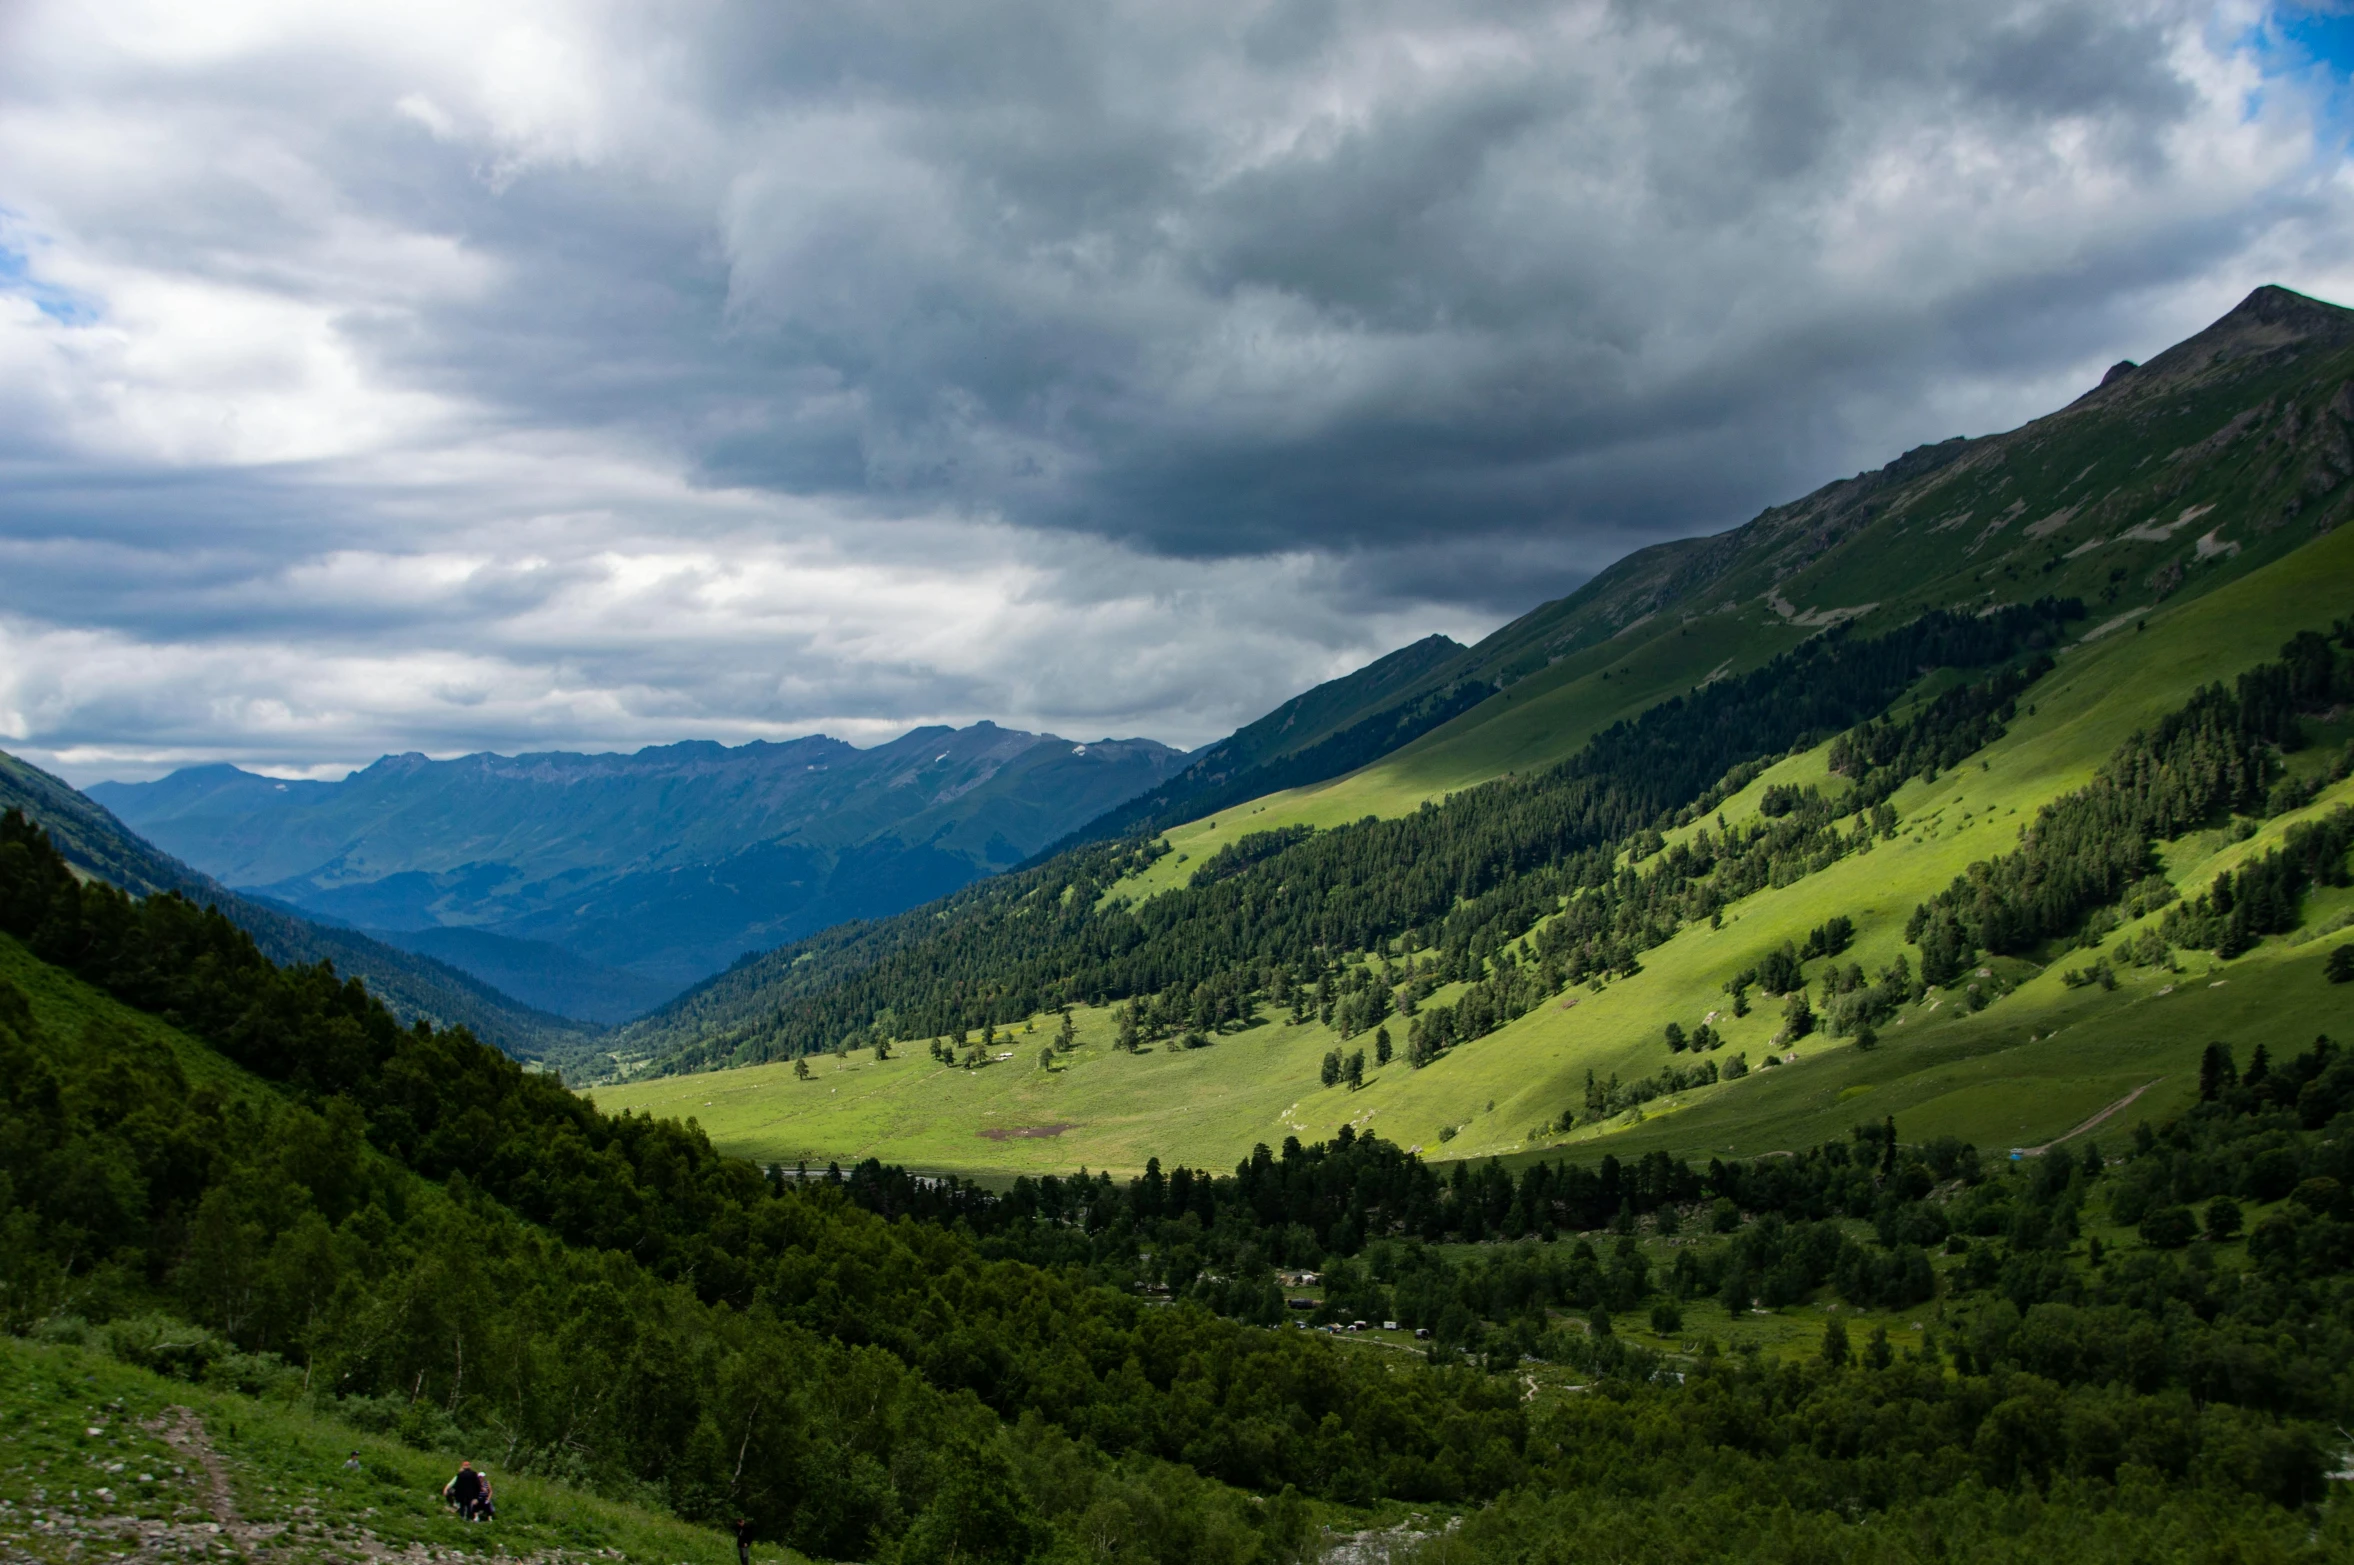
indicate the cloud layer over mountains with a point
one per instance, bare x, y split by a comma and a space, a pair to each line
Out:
442, 377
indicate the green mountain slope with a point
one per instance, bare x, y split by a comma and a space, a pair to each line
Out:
416, 986
2218, 456
208, 1465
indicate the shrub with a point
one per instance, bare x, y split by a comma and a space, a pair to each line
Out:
2169, 1228
2318, 1196
2223, 1218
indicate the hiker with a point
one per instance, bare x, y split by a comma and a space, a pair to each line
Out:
464, 1491
351, 1463
486, 1505
743, 1541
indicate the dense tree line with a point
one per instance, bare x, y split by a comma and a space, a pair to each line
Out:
2050, 1363
1462, 877
2217, 755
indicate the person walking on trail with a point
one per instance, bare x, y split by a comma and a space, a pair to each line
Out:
464, 1492
743, 1541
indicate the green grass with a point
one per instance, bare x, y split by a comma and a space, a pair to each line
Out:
2027, 1069
87, 1473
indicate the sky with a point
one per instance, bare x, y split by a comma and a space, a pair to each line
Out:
586, 376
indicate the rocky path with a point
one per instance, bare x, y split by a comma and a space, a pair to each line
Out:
191, 1514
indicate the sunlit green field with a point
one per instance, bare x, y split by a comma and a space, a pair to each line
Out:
2031, 1067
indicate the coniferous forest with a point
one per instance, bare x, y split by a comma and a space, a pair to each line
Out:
405, 1229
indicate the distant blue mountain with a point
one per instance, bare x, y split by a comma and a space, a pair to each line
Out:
415, 984
596, 886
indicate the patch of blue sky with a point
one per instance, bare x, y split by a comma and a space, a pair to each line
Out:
2310, 44
62, 305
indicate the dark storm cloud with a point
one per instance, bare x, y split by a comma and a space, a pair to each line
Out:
603, 374
1480, 269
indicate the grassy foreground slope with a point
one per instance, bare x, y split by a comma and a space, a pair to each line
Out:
2219, 456
110, 1461
2028, 1068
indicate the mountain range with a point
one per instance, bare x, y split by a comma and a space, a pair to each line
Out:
598, 885
416, 986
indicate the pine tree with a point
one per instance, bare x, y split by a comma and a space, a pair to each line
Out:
1798, 1018
2216, 1072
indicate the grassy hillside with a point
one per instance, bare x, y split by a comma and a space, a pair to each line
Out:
2024, 1070
107, 1460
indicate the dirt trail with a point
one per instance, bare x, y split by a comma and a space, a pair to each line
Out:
183, 1431
2119, 1106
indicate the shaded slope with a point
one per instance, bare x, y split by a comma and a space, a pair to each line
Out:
537, 973
414, 986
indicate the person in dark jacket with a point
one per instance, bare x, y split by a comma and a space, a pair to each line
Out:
743, 1541
464, 1492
